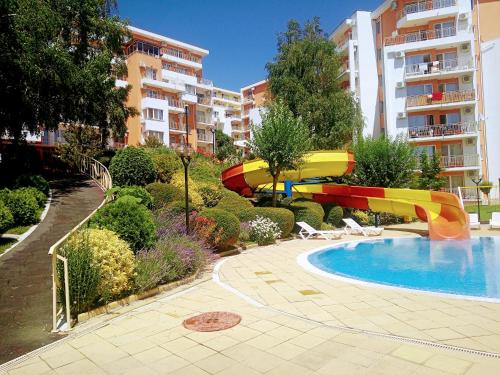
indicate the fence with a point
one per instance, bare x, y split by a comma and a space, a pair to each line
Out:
468, 195
100, 174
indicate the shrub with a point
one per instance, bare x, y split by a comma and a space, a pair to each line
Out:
334, 215
150, 269
390, 219
361, 217
326, 226
234, 204
178, 181
311, 216
227, 227
281, 216
36, 181
211, 195
179, 207
310, 204
135, 191
6, 218
112, 256
163, 194
23, 206
129, 219
264, 231
40, 197
83, 275
4, 193
244, 232
132, 166
165, 161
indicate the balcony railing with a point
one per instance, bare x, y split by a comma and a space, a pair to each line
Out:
205, 138
443, 130
446, 97
436, 67
175, 125
203, 100
233, 99
205, 81
181, 55
248, 99
342, 44
460, 161
423, 6
177, 70
421, 35
176, 103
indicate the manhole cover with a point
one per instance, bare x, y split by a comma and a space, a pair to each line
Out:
212, 321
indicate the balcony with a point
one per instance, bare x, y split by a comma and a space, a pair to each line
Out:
441, 69
452, 99
227, 99
463, 162
204, 101
176, 127
204, 138
204, 121
420, 36
444, 131
424, 11
205, 82
344, 43
248, 99
164, 84
175, 105
181, 57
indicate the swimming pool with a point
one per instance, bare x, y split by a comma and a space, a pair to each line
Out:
468, 268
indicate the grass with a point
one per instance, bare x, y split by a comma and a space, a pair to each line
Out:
5, 243
20, 229
485, 211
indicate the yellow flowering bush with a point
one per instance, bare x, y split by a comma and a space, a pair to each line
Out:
194, 188
112, 256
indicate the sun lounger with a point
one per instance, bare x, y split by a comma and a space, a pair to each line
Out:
495, 220
354, 228
474, 222
306, 232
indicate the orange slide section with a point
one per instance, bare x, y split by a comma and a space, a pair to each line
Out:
442, 211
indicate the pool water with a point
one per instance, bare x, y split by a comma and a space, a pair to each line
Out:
470, 268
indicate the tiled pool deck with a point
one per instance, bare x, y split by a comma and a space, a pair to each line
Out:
294, 322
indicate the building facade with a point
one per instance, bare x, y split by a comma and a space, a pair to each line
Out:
425, 69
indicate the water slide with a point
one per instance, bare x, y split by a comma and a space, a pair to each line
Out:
442, 211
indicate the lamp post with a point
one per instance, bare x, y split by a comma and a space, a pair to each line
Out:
212, 130
477, 181
184, 151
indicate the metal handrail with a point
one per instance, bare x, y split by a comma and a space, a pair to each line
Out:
100, 174
443, 130
423, 6
447, 97
436, 67
418, 36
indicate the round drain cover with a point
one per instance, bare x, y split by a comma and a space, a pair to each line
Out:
212, 321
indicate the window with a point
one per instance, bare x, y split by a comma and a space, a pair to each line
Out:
144, 47
420, 121
429, 150
417, 59
448, 87
150, 73
190, 89
450, 118
379, 54
455, 149
157, 135
381, 106
419, 90
153, 94
152, 114
445, 29
456, 181
377, 27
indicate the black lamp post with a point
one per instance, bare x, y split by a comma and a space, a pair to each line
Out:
184, 152
477, 181
213, 140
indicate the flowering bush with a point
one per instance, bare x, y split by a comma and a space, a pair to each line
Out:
264, 231
178, 181
226, 230
112, 256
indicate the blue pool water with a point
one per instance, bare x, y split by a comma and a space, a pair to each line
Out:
470, 268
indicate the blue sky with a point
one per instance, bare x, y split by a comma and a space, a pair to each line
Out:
240, 35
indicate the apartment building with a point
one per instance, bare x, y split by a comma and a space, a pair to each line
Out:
254, 97
417, 68
226, 105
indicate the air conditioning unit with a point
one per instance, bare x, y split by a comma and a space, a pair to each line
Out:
470, 141
466, 79
462, 16
399, 54
465, 47
400, 85
401, 115
468, 110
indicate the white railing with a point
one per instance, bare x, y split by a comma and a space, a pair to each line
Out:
174, 102
444, 130
100, 174
204, 100
205, 81
423, 6
173, 125
468, 195
182, 55
205, 138
443, 98
421, 35
437, 67
460, 161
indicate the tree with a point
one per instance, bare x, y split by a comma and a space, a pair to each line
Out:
383, 162
80, 140
58, 62
429, 178
225, 148
282, 140
305, 75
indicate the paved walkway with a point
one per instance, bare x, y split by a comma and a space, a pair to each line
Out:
294, 323
25, 272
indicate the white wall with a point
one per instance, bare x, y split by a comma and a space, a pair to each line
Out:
491, 73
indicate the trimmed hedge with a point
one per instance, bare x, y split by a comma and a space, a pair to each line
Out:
6, 218
40, 197
309, 204
130, 220
132, 166
23, 205
179, 207
211, 195
135, 191
165, 161
163, 194
334, 215
226, 230
234, 204
281, 216
36, 181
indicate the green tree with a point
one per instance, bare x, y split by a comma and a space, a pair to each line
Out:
429, 178
382, 162
58, 61
225, 148
80, 139
305, 74
282, 140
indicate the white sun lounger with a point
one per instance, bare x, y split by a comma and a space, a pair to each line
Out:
352, 227
306, 232
495, 220
474, 222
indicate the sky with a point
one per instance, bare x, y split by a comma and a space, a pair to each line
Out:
240, 35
